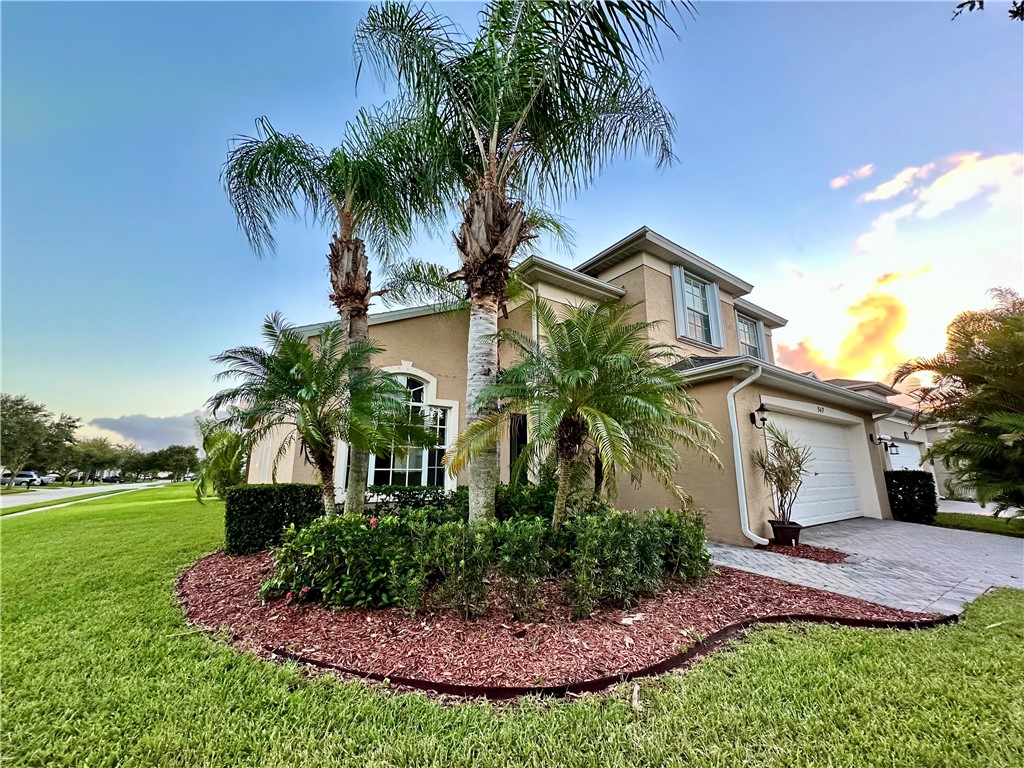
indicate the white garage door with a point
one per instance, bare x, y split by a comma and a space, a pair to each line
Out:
831, 492
909, 456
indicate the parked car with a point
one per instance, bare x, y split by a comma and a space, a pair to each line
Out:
47, 479
22, 478
113, 479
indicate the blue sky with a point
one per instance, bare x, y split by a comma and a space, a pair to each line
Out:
123, 270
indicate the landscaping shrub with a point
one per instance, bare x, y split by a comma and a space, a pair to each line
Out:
526, 499
522, 557
614, 558
685, 552
912, 496
345, 560
462, 553
412, 567
255, 516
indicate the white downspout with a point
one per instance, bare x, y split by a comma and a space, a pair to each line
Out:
737, 455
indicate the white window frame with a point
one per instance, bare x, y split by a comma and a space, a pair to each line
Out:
431, 400
762, 340
679, 278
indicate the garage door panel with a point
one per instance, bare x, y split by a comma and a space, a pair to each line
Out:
831, 491
909, 456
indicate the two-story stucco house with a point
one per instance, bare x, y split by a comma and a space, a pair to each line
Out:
702, 311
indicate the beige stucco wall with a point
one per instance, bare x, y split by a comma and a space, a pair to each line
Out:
714, 489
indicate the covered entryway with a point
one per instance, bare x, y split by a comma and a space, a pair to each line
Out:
833, 489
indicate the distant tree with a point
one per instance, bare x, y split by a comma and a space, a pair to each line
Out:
30, 436
1016, 11
24, 428
131, 460
179, 460
224, 455
94, 455
977, 385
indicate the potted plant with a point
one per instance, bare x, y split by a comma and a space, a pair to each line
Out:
783, 462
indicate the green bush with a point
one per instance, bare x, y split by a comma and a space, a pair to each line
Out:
614, 558
255, 516
526, 499
462, 556
685, 552
912, 496
522, 557
412, 568
345, 560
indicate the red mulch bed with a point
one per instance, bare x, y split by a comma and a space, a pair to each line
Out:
221, 592
808, 552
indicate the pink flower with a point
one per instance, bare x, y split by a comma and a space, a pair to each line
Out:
288, 596
373, 522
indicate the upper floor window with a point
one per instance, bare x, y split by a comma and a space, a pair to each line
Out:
698, 308
751, 337
698, 319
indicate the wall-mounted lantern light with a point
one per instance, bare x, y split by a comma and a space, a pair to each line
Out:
759, 416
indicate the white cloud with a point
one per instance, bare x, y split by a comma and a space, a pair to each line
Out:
861, 173
901, 182
970, 177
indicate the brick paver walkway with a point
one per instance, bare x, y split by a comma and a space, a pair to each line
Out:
903, 565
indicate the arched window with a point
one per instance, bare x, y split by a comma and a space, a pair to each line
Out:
420, 466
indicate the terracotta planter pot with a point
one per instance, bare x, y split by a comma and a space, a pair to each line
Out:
786, 534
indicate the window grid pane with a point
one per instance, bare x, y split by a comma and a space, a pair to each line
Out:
747, 332
420, 466
698, 321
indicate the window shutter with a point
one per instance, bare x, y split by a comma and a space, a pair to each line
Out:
715, 314
679, 300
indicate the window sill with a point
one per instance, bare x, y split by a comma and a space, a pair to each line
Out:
700, 344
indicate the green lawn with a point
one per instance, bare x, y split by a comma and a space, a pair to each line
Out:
99, 669
5, 491
1007, 526
40, 504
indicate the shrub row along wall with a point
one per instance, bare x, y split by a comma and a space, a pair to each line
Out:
912, 495
255, 516
418, 559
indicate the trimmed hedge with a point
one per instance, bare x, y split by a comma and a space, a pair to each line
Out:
912, 495
255, 516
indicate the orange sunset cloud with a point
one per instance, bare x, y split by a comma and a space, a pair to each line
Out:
867, 349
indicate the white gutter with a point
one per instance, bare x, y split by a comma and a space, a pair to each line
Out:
737, 455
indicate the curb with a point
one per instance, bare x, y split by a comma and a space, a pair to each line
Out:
681, 660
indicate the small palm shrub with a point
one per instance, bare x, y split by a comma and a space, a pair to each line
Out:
614, 559
783, 463
685, 553
523, 559
462, 556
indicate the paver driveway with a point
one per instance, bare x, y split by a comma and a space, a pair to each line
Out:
903, 565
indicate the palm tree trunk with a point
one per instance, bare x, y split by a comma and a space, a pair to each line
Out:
325, 465
493, 228
565, 467
350, 279
482, 369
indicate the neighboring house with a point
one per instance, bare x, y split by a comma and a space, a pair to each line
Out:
702, 312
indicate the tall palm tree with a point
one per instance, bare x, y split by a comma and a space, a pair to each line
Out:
324, 392
529, 111
373, 188
592, 382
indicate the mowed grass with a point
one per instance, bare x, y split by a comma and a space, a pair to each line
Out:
1006, 526
41, 504
100, 669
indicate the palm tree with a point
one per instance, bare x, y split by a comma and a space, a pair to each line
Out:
592, 382
977, 385
325, 392
529, 111
373, 188
223, 463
